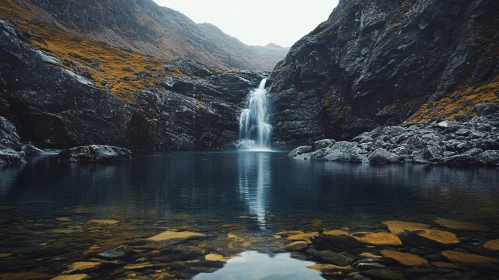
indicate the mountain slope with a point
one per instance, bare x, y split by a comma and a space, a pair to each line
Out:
386, 62
266, 56
145, 27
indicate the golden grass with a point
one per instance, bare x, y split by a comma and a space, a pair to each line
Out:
69, 47
458, 103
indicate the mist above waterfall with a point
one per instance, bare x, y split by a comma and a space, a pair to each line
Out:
254, 127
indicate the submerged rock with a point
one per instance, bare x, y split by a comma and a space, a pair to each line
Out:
95, 153
457, 225
429, 238
334, 258
404, 258
174, 235
296, 246
401, 226
379, 239
492, 245
461, 257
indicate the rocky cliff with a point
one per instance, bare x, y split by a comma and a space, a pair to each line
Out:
387, 62
62, 91
145, 27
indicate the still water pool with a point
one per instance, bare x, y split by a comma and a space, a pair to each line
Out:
243, 202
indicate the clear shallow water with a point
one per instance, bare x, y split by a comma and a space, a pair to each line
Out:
240, 200
271, 189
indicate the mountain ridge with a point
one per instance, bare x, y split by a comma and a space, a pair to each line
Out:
146, 27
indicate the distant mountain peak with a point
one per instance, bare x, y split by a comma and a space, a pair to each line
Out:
273, 45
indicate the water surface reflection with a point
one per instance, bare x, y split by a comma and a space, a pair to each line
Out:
273, 190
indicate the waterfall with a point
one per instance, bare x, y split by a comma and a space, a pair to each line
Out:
254, 129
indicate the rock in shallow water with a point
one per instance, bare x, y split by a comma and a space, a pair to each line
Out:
95, 153
404, 258
9, 156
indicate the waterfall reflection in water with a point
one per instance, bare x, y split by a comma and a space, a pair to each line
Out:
253, 192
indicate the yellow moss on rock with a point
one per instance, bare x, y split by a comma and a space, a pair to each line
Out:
73, 49
459, 102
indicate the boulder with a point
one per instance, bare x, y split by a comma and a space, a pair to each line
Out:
382, 156
95, 153
300, 150
31, 150
488, 158
325, 143
432, 153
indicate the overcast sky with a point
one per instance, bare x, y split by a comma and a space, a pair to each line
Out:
258, 22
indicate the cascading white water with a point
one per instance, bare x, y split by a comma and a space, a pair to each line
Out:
254, 129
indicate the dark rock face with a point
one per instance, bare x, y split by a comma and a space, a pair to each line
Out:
9, 139
55, 108
95, 153
471, 143
9, 156
377, 62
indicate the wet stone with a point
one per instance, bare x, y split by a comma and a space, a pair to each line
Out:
174, 235
457, 225
103, 222
492, 245
72, 277
429, 238
379, 239
461, 257
334, 258
370, 255
302, 237
300, 256
81, 266
445, 265
214, 257
181, 252
296, 246
116, 253
401, 226
404, 258
369, 266
138, 266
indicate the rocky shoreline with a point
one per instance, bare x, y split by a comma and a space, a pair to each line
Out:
471, 143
